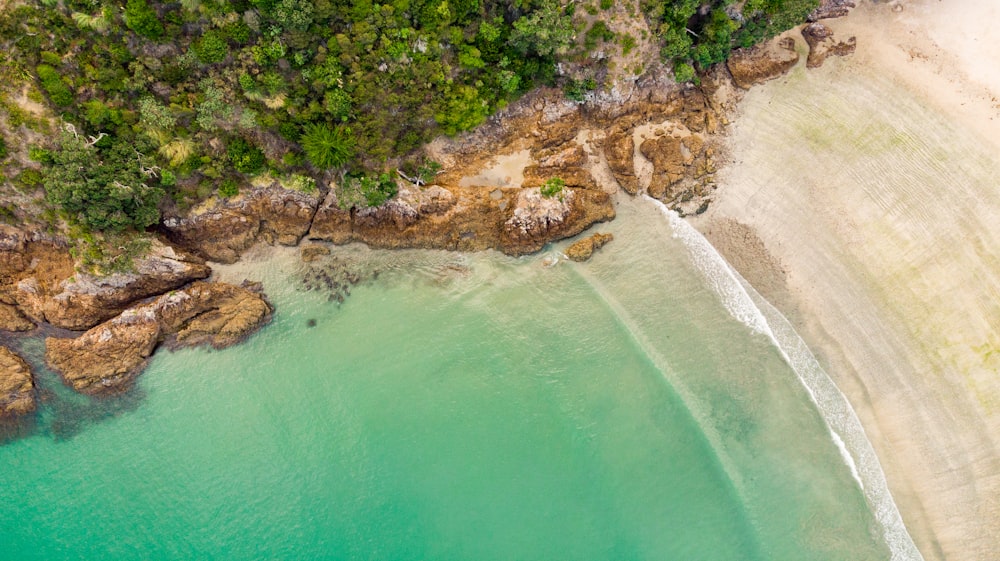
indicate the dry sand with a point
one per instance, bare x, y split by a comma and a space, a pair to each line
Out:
863, 199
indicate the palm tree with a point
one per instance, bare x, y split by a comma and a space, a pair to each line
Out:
327, 147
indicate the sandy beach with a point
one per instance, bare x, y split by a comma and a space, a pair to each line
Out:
862, 199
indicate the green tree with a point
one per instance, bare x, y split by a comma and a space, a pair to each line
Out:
545, 32
327, 147
101, 189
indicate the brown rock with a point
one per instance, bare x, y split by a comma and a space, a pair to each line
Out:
11, 318
537, 220
822, 44
212, 313
673, 159
332, 223
567, 162
224, 231
619, 149
435, 200
17, 388
581, 250
762, 62
80, 301
108, 357
463, 219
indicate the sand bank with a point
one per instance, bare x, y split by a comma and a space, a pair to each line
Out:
862, 198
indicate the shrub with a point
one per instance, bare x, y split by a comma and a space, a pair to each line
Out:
3, 148
327, 147
553, 187
53, 84
29, 178
377, 191
168, 178
628, 43
211, 48
96, 113
245, 157
49, 57
139, 17
155, 116
229, 188
301, 183
463, 110
597, 32
40, 155
338, 104
683, 72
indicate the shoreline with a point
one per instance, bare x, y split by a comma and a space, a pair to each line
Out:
887, 280
917, 400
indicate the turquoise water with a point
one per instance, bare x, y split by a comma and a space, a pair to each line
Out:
468, 407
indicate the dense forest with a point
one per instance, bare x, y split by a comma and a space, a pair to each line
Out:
192, 98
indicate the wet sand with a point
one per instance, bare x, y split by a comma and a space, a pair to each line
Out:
863, 199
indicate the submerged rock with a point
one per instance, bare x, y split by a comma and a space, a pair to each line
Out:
313, 251
108, 357
822, 44
17, 388
762, 62
582, 250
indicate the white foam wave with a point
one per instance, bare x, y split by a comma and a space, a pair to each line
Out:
750, 308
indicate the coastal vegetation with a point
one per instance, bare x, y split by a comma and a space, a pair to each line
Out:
129, 109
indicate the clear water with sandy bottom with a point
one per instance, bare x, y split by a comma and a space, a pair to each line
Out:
461, 407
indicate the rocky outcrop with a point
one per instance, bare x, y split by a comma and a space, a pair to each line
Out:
461, 218
830, 9
11, 318
39, 282
565, 161
582, 250
79, 301
108, 357
215, 314
762, 62
17, 388
619, 149
680, 161
222, 230
822, 44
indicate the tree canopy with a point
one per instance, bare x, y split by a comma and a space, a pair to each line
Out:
102, 189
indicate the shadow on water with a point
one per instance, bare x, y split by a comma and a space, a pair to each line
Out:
62, 413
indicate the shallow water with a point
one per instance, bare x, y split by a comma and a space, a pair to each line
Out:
456, 407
